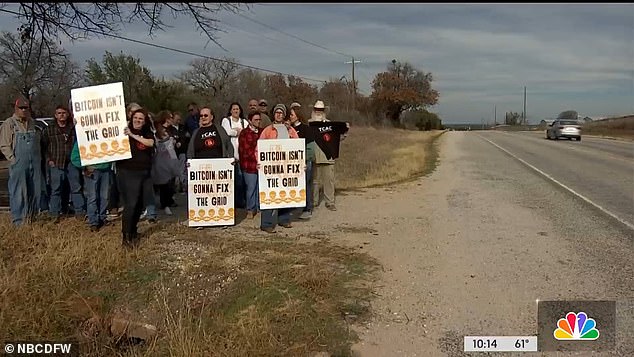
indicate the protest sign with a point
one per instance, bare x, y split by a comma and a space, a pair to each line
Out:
210, 192
101, 118
282, 173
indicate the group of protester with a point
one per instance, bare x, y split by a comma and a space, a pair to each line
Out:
160, 146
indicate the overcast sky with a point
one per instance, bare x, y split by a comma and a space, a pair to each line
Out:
569, 56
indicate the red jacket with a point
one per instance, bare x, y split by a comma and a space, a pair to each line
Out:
248, 150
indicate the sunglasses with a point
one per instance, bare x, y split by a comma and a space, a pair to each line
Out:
204, 115
263, 105
24, 108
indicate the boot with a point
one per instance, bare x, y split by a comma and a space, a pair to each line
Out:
126, 242
135, 239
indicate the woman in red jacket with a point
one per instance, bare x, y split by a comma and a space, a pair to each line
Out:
247, 148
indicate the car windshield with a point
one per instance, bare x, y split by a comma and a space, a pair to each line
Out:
568, 122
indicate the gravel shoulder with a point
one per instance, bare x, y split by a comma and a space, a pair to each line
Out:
469, 249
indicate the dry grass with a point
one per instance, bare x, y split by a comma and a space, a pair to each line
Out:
209, 293
371, 157
213, 292
615, 127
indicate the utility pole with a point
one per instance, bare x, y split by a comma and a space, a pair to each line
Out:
495, 115
354, 83
524, 115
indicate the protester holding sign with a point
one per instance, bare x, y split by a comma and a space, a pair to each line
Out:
209, 141
248, 145
277, 130
134, 173
328, 135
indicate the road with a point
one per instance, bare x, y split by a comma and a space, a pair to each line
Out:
469, 249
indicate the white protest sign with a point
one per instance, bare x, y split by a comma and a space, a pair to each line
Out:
210, 192
101, 118
282, 173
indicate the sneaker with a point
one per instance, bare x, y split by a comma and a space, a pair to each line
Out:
306, 215
168, 211
144, 214
268, 229
331, 207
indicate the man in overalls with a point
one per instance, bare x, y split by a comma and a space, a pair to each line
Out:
20, 144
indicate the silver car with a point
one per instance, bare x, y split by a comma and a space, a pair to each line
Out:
564, 128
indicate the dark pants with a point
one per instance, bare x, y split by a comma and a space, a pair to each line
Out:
131, 187
114, 197
240, 193
166, 193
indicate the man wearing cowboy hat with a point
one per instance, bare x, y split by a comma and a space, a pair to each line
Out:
327, 137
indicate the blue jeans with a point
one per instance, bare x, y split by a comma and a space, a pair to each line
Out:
309, 187
58, 176
239, 187
25, 177
97, 188
252, 196
269, 219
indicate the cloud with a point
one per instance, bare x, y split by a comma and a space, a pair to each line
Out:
480, 55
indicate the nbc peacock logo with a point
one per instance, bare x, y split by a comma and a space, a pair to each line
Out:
576, 327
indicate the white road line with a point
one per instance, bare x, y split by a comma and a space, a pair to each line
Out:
626, 223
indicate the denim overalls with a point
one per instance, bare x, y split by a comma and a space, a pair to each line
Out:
25, 176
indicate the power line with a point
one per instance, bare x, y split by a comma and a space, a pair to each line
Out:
293, 36
180, 51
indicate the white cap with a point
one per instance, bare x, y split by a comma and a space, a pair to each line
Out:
319, 105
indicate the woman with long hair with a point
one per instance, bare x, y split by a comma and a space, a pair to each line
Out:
134, 173
165, 166
233, 124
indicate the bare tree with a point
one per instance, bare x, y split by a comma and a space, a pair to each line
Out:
210, 77
85, 20
36, 68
